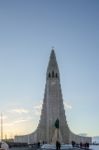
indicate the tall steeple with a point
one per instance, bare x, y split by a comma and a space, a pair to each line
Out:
52, 70
53, 110
53, 107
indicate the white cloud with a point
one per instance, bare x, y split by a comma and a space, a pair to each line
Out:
19, 121
3, 117
37, 109
8, 124
67, 106
20, 111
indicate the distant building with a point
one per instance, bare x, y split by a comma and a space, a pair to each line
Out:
52, 109
83, 134
95, 139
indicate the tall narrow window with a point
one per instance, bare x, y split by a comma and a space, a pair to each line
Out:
49, 75
56, 75
52, 74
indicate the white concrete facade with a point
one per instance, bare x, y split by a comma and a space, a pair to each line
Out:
52, 109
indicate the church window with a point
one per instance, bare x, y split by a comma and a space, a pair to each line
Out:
49, 75
52, 74
56, 75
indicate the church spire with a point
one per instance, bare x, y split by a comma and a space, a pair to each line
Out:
52, 70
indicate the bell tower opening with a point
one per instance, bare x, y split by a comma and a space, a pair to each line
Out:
49, 75
52, 74
56, 75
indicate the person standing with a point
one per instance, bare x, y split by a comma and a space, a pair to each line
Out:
58, 145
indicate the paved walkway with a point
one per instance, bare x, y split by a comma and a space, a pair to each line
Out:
26, 148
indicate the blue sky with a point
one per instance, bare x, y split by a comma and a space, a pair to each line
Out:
28, 30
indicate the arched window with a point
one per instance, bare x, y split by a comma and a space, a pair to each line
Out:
52, 74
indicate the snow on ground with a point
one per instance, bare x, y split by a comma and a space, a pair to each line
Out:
94, 147
64, 147
53, 146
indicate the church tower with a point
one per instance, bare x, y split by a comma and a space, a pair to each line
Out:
52, 110
53, 107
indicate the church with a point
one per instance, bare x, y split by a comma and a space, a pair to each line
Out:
52, 112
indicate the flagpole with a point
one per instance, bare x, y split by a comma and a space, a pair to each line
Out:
1, 127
